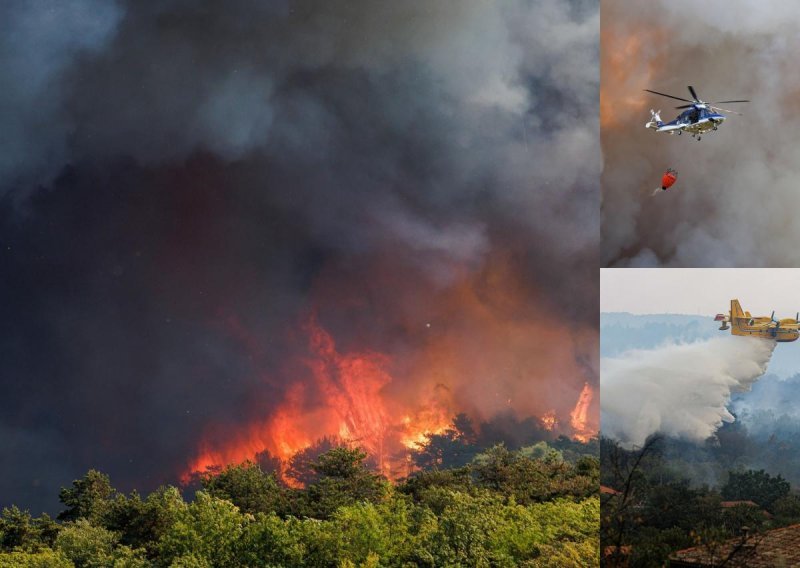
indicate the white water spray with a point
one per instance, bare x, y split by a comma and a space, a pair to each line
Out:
678, 390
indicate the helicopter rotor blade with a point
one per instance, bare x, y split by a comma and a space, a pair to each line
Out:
670, 96
725, 110
724, 102
685, 106
694, 95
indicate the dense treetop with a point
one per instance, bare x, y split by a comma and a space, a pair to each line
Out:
529, 507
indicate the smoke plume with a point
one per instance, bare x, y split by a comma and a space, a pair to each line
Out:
736, 195
681, 391
226, 228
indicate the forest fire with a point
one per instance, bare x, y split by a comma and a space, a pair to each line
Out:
443, 233
489, 353
354, 411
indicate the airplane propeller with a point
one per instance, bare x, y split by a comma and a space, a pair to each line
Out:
774, 329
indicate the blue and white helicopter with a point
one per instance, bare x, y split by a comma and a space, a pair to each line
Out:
700, 116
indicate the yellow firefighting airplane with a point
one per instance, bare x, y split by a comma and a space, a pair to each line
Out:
742, 323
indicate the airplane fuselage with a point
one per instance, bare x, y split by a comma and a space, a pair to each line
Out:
763, 329
743, 324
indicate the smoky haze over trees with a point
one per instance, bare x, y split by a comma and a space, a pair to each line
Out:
678, 495
182, 184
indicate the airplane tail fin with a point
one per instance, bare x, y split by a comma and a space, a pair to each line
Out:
736, 310
737, 316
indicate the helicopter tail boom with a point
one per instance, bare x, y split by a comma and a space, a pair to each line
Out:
655, 120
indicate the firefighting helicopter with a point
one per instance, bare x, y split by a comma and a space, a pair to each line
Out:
743, 324
698, 118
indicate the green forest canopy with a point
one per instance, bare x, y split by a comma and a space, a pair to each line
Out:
528, 507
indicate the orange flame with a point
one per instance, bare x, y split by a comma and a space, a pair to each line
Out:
549, 420
352, 386
354, 410
579, 415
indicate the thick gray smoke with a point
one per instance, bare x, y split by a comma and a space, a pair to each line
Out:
412, 121
182, 182
681, 391
736, 198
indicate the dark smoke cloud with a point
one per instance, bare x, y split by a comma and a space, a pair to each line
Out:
179, 181
735, 199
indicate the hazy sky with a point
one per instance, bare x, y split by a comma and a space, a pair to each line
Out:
701, 291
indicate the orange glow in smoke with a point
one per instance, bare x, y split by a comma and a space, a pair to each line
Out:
629, 63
